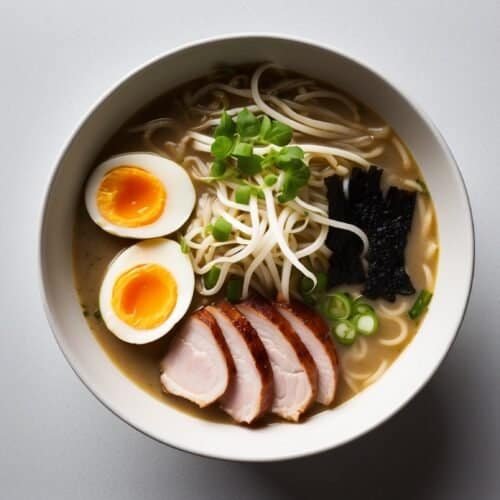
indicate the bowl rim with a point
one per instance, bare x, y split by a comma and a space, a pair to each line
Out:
42, 224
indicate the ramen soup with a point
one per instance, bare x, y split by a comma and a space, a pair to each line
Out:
255, 242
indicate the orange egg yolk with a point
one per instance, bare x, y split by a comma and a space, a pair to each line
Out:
131, 197
144, 296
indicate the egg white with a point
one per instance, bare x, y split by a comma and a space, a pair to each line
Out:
180, 191
161, 251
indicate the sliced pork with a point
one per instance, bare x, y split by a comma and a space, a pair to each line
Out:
294, 372
250, 394
198, 365
314, 333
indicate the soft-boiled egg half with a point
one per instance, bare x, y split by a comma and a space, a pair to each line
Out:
146, 290
139, 195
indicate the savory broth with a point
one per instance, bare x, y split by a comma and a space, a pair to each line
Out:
361, 363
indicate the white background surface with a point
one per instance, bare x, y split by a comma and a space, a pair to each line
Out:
56, 440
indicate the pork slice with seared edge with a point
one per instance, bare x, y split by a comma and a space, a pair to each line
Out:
198, 365
314, 333
294, 371
250, 394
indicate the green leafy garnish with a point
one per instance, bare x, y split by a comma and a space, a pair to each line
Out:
218, 169
265, 126
226, 128
242, 149
297, 175
288, 154
247, 124
249, 165
279, 134
222, 146
235, 158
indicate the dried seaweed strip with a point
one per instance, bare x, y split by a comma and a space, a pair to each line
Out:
345, 262
386, 220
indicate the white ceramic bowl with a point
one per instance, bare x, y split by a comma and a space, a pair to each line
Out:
280, 441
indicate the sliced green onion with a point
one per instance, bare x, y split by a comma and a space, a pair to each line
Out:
242, 194
221, 229
211, 277
344, 331
234, 289
420, 305
360, 307
366, 324
338, 306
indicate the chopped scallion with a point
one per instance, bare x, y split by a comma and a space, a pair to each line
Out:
366, 324
242, 194
234, 289
421, 304
221, 229
360, 307
344, 331
211, 277
338, 306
